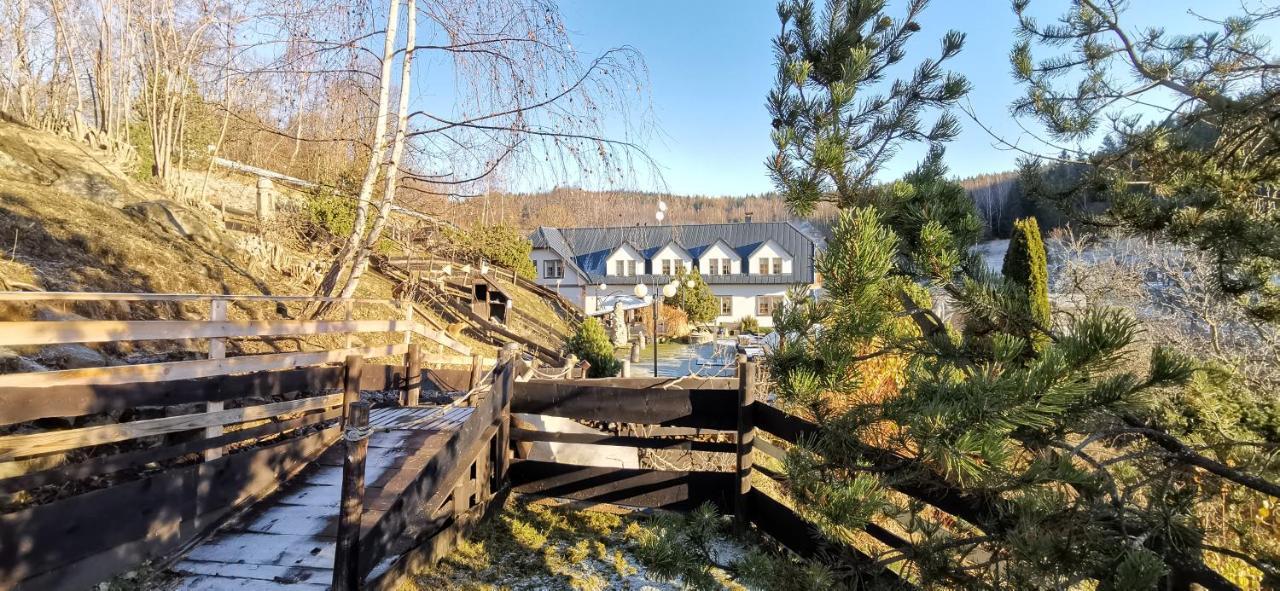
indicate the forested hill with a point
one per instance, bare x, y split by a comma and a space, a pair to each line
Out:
998, 197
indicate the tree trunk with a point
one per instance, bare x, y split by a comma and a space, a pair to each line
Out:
347, 255
393, 167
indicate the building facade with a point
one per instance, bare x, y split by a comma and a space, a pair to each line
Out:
748, 266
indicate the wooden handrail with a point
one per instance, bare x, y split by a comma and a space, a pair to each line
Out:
54, 332
34, 444
199, 368
97, 296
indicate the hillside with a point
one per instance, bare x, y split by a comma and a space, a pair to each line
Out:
998, 197
71, 220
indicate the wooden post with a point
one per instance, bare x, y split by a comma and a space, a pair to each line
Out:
406, 308
346, 558
412, 375
504, 383
349, 309
351, 383
217, 350
746, 440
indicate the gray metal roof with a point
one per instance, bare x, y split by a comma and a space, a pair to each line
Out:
588, 248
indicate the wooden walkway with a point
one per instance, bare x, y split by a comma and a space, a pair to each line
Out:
287, 542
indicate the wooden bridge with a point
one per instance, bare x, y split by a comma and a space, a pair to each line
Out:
274, 471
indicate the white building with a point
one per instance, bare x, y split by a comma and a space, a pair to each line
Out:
749, 266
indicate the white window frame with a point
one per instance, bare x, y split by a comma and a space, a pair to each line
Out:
773, 301
725, 302
550, 265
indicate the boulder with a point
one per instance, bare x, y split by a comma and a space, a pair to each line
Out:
94, 187
176, 219
45, 313
12, 362
72, 356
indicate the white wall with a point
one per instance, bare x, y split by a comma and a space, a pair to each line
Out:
770, 250
720, 251
570, 286
744, 300
624, 253
671, 251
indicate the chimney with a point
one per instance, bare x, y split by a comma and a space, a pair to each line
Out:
747, 217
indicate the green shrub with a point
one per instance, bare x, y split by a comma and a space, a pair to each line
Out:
592, 345
749, 324
1026, 264
697, 301
502, 245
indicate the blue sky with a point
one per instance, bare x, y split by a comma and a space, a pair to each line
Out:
710, 68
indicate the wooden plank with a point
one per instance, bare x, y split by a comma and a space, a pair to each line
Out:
437, 476
34, 444
22, 404
94, 296
217, 350
51, 542
100, 331
712, 409
771, 450
346, 566
784, 426
441, 338
784, 525
623, 441
641, 383
113, 463
183, 370
380, 376
659, 489
746, 439
446, 380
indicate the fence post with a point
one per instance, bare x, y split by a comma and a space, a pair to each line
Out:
412, 375
746, 441
217, 350
504, 383
346, 558
348, 308
351, 383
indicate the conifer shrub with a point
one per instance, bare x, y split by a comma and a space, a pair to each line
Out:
697, 301
1026, 264
591, 344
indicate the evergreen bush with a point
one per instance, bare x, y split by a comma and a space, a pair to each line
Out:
592, 344
697, 301
1026, 264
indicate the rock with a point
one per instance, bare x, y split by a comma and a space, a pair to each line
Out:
53, 314
91, 186
12, 362
72, 356
177, 219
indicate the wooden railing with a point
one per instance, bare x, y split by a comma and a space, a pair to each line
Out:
700, 406
102, 468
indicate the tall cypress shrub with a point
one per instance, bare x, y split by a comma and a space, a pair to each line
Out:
1026, 264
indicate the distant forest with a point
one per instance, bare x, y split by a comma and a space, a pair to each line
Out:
998, 196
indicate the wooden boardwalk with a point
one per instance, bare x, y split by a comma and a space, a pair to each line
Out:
287, 542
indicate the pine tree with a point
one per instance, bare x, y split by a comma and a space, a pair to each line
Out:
1198, 171
1026, 264
592, 345
831, 134
1001, 429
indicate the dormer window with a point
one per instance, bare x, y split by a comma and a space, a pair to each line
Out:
770, 265
553, 269
624, 268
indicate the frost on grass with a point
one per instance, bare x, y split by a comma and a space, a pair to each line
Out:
528, 547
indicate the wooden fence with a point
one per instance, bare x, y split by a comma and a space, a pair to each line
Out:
103, 468
687, 405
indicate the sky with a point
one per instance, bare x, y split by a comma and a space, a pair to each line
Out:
711, 66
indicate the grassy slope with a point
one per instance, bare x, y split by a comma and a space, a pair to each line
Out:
56, 239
